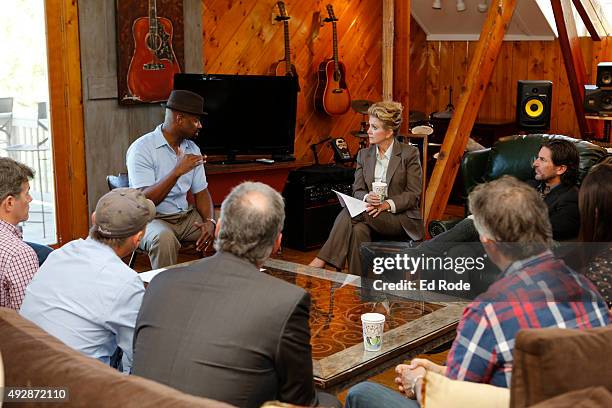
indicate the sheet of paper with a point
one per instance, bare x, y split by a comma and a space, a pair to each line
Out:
148, 276
353, 205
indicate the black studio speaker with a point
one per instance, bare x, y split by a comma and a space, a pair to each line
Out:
533, 105
604, 75
597, 101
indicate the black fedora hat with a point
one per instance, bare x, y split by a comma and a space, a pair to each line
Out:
186, 101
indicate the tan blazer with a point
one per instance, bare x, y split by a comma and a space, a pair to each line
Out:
403, 180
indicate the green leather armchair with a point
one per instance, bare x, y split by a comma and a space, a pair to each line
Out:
513, 155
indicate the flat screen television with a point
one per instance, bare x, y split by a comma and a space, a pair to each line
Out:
247, 114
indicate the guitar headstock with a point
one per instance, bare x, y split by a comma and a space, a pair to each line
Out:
330, 12
282, 11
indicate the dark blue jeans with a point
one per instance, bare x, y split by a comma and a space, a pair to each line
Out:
371, 395
42, 251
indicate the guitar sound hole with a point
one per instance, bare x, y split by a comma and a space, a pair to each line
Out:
154, 42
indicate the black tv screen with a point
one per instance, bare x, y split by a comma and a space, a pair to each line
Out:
247, 114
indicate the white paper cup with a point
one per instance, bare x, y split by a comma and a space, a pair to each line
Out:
380, 188
373, 325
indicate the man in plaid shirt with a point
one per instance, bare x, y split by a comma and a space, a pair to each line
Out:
535, 290
18, 261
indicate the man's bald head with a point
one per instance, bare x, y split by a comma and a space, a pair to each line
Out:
252, 217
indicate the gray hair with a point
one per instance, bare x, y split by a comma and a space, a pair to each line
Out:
514, 215
12, 175
252, 216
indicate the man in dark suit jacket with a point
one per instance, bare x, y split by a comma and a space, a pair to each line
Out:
220, 328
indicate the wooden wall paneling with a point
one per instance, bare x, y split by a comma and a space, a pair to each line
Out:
520, 62
503, 111
224, 22
419, 54
433, 76
537, 50
445, 78
227, 61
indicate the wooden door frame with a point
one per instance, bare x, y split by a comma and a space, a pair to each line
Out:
66, 119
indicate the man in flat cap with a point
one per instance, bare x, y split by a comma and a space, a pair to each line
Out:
84, 294
166, 164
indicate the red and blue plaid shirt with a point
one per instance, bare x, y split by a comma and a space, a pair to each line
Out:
18, 264
537, 292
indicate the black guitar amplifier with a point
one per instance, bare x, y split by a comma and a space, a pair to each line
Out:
310, 204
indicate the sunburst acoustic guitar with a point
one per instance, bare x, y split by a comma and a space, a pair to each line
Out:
332, 95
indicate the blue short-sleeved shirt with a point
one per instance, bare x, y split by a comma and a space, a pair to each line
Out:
88, 298
150, 158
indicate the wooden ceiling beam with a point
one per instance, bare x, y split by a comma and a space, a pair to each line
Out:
478, 76
572, 57
590, 12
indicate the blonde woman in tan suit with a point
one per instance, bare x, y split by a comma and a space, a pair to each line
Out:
399, 215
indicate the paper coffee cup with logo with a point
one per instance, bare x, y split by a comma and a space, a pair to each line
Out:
373, 325
380, 188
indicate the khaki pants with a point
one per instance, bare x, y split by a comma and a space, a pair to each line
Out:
165, 234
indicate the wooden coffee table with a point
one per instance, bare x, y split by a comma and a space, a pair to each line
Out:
339, 360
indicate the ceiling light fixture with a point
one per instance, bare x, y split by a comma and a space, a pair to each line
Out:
437, 4
461, 5
482, 7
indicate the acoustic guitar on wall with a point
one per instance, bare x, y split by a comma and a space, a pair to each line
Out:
332, 95
284, 67
151, 73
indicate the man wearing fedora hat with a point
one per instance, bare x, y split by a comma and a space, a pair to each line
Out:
166, 164
84, 294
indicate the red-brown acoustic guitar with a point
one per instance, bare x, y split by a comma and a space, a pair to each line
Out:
332, 95
153, 65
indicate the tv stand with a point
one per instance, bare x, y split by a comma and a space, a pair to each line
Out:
223, 177
283, 157
231, 159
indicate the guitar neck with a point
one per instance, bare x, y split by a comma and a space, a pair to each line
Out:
152, 16
335, 33
287, 47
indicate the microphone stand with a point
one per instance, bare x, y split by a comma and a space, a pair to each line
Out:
313, 147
